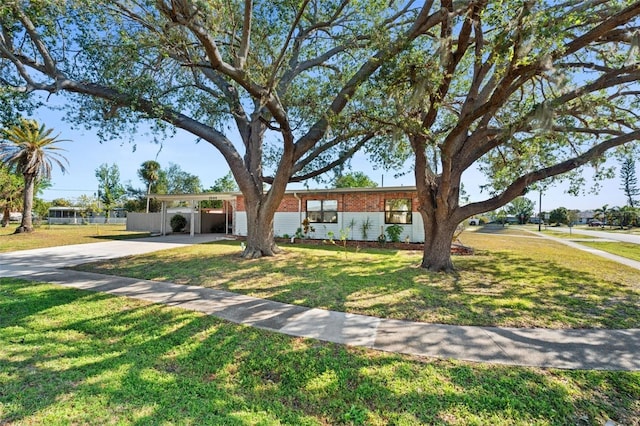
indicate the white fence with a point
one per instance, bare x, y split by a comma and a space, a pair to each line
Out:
82, 221
144, 222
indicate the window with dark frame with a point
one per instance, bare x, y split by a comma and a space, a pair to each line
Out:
322, 211
397, 210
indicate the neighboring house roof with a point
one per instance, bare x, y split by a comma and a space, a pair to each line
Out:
66, 209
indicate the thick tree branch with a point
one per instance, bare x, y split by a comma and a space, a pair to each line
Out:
311, 156
346, 155
519, 186
423, 23
241, 59
600, 30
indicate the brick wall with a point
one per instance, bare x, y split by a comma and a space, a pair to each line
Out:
347, 202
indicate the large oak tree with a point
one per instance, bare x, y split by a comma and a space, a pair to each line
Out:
285, 74
525, 90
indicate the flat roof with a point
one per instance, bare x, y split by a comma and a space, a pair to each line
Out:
343, 190
203, 196
66, 208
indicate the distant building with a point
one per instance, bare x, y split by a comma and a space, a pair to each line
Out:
79, 216
65, 215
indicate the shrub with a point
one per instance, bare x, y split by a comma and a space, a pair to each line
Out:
394, 232
365, 227
178, 222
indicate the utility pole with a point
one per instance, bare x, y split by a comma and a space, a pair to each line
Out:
540, 213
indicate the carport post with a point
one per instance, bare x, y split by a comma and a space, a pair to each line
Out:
192, 223
226, 217
163, 219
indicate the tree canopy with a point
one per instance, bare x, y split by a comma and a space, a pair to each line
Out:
110, 189
285, 75
354, 180
11, 185
149, 172
524, 90
175, 180
521, 208
629, 180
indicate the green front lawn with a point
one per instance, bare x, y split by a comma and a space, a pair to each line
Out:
511, 281
62, 235
73, 357
628, 250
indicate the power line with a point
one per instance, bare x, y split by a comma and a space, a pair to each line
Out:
79, 190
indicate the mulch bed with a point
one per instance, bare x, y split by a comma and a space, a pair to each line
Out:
456, 249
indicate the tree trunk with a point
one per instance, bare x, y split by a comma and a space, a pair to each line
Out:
260, 237
27, 225
437, 246
5, 216
438, 197
148, 193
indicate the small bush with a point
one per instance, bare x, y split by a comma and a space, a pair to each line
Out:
178, 222
394, 232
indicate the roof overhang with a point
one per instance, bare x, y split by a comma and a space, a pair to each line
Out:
202, 196
350, 190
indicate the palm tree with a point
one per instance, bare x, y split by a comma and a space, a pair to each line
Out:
10, 193
150, 173
602, 213
29, 149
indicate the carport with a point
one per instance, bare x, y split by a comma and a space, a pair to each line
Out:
193, 201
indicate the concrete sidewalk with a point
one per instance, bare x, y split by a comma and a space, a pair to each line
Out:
576, 245
568, 349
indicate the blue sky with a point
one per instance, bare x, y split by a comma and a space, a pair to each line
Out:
85, 154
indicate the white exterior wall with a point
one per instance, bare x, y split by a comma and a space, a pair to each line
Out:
149, 222
289, 222
375, 220
240, 224
187, 227
286, 223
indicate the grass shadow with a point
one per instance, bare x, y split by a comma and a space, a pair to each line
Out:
492, 288
123, 236
94, 359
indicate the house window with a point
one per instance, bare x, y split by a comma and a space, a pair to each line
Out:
322, 211
397, 210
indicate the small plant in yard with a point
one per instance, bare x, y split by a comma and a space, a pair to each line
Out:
365, 227
352, 226
344, 236
307, 227
330, 234
394, 232
356, 415
178, 222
